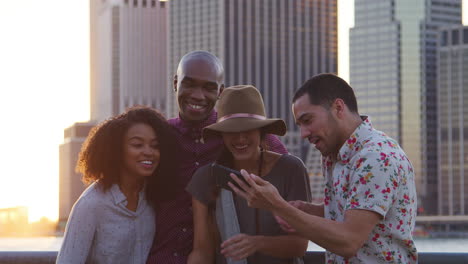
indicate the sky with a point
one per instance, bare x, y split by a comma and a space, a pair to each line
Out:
44, 88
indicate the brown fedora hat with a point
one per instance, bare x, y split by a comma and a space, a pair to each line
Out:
240, 108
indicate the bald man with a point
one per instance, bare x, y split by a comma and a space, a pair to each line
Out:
197, 84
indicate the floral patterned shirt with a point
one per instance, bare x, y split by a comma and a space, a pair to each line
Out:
371, 172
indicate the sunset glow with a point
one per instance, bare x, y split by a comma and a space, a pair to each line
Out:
45, 88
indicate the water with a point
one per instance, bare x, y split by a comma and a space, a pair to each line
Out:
30, 243
53, 244
427, 245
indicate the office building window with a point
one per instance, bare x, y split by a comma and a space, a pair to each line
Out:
444, 39
465, 35
455, 39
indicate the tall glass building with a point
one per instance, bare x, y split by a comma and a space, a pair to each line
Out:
393, 70
453, 120
128, 55
275, 45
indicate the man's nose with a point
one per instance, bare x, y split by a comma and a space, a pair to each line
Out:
197, 93
304, 132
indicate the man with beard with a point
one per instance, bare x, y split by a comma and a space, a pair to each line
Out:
369, 210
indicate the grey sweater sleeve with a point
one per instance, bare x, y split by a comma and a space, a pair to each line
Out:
202, 186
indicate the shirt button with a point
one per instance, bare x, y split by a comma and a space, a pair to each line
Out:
175, 254
197, 163
196, 140
184, 229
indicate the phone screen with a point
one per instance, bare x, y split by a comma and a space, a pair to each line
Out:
222, 176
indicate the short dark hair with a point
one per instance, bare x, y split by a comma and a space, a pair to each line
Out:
101, 155
323, 89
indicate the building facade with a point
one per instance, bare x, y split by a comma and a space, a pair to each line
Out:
275, 45
453, 120
70, 184
393, 70
128, 55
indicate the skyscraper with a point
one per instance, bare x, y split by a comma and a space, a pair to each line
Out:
453, 120
393, 69
70, 185
275, 45
128, 55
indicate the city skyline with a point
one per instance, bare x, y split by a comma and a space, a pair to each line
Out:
128, 46
453, 116
274, 46
45, 89
393, 71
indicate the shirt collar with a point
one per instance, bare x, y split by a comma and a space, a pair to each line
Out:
194, 128
119, 197
117, 194
355, 142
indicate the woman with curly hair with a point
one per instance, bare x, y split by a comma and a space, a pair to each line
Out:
128, 160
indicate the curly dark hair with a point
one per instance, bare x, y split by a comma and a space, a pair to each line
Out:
101, 155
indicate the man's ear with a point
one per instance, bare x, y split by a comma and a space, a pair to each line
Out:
339, 107
174, 83
221, 89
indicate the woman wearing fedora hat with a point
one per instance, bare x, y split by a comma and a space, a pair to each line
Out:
226, 229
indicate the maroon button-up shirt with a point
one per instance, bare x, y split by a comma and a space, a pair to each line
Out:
174, 220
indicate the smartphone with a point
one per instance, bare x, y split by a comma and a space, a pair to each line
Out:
222, 176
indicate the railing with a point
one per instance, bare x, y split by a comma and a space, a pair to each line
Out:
48, 257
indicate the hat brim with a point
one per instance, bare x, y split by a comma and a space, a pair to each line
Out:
269, 126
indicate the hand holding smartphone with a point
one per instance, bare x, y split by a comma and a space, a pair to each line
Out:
222, 176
